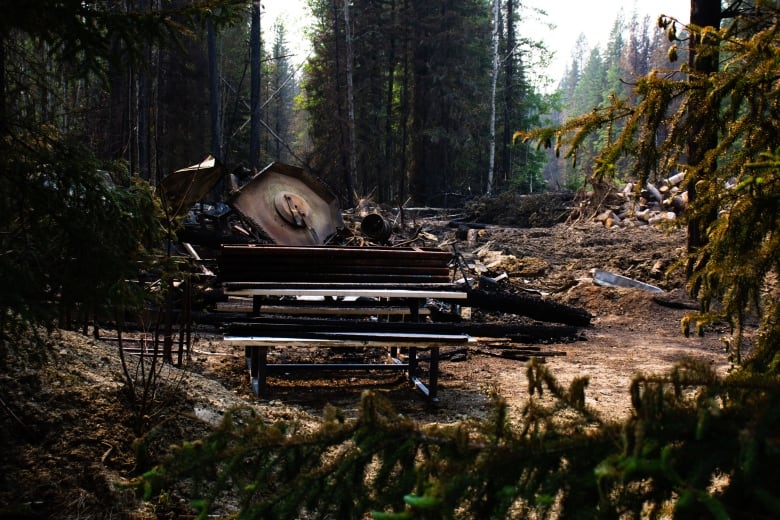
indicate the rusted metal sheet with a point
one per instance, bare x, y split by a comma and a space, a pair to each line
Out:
289, 206
180, 190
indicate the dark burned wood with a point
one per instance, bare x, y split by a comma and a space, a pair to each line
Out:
403, 276
530, 306
297, 326
340, 286
518, 355
333, 264
394, 276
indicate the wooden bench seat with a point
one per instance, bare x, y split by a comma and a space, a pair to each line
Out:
321, 308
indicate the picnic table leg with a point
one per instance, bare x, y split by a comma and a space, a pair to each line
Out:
262, 371
433, 374
257, 304
412, 362
414, 309
257, 359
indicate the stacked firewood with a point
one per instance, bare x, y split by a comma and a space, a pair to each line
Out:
651, 205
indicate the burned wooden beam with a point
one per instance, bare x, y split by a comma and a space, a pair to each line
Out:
529, 306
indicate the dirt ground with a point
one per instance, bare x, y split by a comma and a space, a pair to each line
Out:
69, 437
631, 332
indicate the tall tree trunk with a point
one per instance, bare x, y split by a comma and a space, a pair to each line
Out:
420, 108
255, 58
349, 189
143, 108
385, 180
3, 122
492, 138
509, 83
704, 135
352, 145
144, 128
117, 109
404, 111
214, 101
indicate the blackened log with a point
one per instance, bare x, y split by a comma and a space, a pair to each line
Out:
529, 306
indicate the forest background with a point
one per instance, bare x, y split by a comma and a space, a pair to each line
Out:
397, 104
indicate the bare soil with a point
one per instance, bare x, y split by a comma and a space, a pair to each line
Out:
631, 331
68, 430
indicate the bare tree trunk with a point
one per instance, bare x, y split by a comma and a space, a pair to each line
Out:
704, 135
214, 102
143, 108
352, 148
387, 169
144, 130
509, 83
255, 58
3, 123
404, 112
117, 145
492, 138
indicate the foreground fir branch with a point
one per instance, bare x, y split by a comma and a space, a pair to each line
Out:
384, 463
694, 446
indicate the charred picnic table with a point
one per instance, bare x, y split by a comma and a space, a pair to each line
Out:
350, 297
340, 297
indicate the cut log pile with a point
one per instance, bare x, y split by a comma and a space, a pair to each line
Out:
652, 205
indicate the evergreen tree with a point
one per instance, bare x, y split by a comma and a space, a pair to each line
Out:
72, 236
421, 116
588, 96
281, 86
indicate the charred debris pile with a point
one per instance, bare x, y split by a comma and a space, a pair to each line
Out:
286, 206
